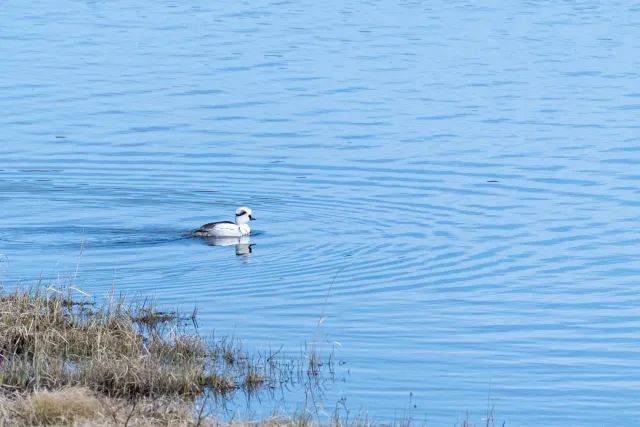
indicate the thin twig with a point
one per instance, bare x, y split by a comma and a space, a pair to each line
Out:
79, 256
133, 408
201, 411
324, 306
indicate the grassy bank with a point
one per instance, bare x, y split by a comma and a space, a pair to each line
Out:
67, 360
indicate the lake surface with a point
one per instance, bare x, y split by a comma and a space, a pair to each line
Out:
470, 176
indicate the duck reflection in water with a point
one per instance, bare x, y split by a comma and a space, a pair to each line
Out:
243, 244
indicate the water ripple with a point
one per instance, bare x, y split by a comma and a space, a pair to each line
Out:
462, 177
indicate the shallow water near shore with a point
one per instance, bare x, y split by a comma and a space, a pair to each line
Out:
466, 177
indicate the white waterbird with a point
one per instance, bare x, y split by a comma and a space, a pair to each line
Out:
238, 228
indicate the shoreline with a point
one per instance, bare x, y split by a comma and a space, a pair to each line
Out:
66, 359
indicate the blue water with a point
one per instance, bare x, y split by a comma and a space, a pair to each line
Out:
366, 136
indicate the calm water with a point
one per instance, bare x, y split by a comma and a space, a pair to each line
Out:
364, 135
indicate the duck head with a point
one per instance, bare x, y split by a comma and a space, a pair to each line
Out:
244, 215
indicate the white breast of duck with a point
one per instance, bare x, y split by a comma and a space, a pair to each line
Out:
238, 228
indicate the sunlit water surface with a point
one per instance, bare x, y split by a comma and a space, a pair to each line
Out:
470, 173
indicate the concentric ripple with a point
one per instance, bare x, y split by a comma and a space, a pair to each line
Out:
460, 183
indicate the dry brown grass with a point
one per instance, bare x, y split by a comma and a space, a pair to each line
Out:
66, 406
254, 379
48, 340
78, 406
67, 361
81, 407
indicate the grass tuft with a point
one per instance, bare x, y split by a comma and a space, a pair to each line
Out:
63, 407
254, 380
50, 340
67, 360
